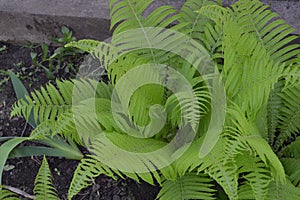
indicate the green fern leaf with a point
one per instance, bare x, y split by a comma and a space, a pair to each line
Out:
292, 150
128, 14
273, 33
43, 187
273, 111
189, 186
47, 103
290, 166
7, 195
256, 173
130, 154
257, 143
88, 169
189, 160
283, 191
104, 52
222, 170
196, 22
245, 192
289, 118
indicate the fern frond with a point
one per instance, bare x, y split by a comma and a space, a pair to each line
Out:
256, 173
93, 112
257, 142
47, 103
63, 126
88, 169
289, 117
189, 160
292, 75
129, 14
163, 16
245, 191
129, 154
189, 186
273, 33
290, 166
195, 21
235, 142
273, 111
251, 67
106, 53
43, 186
212, 39
223, 171
282, 191
290, 158
291, 150
215, 12
7, 195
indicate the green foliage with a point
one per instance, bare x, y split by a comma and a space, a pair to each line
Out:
190, 186
47, 103
88, 169
43, 187
7, 195
250, 155
61, 58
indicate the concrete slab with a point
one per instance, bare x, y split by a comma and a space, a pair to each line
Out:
38, 20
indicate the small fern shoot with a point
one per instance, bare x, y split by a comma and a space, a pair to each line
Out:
43, 186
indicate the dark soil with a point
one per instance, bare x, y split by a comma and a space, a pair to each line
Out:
17, 59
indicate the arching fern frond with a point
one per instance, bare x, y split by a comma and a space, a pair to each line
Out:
189, 186
272, 32
47, 103
88, 169
291, 169
291, 150
189, 160
256, 142
64, 126
289, 117
129, 14
195, 21
273, 111
7, 195
129, 154
282, 191
223, 171
183, 109
43, 187
104, 52
256, 173
290, 158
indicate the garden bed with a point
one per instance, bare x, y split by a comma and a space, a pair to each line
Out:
20, 173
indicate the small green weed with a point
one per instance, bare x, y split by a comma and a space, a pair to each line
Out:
3, 48
61, 59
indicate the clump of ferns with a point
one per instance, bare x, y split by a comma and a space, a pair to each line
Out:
251, 159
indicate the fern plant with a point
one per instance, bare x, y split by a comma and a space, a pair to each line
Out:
43, 186
125, 123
